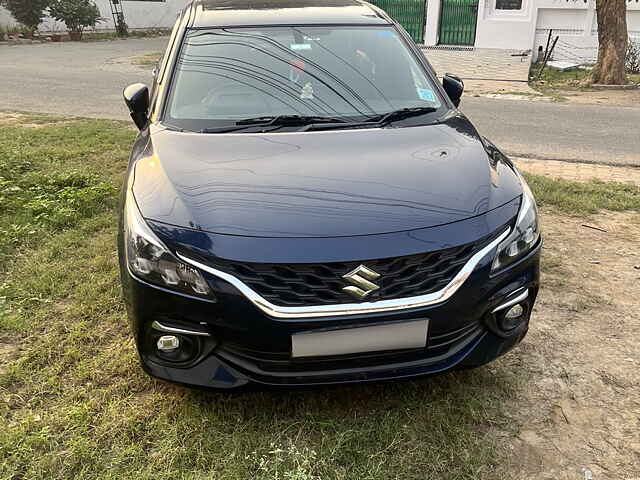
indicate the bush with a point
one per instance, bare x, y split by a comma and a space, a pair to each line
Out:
76, 14
27, 12
632, 58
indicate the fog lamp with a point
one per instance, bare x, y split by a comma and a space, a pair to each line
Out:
513, 317
168, 343
515, 312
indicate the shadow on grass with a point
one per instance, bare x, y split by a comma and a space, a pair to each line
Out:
452, 388
442, 426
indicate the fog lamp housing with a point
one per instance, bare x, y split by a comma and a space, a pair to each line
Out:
175, 343
511, 315
175, 349
511, 318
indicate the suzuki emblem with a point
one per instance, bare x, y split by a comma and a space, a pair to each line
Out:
362, 280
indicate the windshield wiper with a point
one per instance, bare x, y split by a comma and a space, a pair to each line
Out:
319, 123
401, 114
375, 121
275, 121
293, 120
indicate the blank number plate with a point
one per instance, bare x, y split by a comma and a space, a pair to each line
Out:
377, 338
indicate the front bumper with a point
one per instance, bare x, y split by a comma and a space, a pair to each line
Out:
246, 346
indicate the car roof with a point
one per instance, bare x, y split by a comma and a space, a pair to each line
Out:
233, 13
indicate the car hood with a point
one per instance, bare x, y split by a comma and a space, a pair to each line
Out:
321, 184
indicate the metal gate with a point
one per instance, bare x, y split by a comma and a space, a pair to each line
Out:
458, 20
409, 13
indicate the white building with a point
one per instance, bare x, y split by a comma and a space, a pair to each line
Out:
522, 25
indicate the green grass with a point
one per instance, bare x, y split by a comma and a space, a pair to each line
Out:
584, 198
556, 78
75, 404
553, 79
51, 179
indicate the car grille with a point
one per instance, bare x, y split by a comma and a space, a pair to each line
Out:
440, 349
307, 284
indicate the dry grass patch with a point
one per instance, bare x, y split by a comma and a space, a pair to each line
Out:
147, 61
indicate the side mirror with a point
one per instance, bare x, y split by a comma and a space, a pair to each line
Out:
136, 96
454, 86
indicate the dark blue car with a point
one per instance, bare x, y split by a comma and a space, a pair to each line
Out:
306, 205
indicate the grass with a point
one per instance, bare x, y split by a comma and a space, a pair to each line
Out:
570, 80
583, 198
559, 85
50, 179
133, 33
553, 78
148, 60
75, 404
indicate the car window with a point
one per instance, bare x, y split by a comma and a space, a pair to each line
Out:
223, 75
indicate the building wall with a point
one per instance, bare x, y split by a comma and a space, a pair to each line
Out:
573, 20
137, 14
505, 28
495, 28
577, 26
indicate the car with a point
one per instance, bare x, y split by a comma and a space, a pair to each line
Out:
306, 205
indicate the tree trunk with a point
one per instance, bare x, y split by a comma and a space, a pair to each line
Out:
612, 38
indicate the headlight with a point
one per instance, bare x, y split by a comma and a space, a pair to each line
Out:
524, 236
150, 260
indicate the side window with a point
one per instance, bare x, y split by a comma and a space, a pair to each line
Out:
165, 58
508, 4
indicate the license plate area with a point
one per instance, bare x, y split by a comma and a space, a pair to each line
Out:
375, 338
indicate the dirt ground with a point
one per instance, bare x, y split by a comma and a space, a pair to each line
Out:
602, 97
522, 91
28, 120
579, 406
579, 409
512, 90
488, 88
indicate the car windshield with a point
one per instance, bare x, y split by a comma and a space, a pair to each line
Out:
226, 75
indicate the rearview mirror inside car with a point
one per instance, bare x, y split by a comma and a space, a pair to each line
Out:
454, 86
136, 96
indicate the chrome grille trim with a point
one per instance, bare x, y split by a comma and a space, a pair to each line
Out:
522, 296
156, 325
382, 306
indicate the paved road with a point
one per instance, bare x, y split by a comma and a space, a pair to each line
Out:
72, 78
591, 133
87, 78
